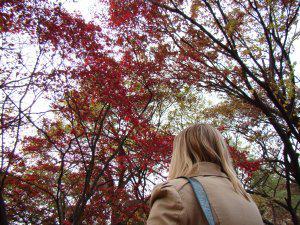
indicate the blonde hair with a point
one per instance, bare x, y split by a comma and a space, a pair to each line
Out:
198, 143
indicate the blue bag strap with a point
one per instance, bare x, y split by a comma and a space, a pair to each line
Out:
202, 199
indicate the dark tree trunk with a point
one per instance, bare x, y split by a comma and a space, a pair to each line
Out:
3, 217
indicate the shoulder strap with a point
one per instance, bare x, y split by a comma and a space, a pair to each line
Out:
202, 199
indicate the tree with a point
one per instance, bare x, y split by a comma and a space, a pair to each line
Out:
92, 155
25, 58
98, 146
239, 48
90, 164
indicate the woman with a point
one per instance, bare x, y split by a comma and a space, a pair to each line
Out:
199, 151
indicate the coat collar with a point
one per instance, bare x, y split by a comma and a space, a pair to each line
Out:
206, 169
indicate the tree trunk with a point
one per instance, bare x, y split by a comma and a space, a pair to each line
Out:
3, 217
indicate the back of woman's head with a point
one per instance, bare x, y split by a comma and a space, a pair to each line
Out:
202, 143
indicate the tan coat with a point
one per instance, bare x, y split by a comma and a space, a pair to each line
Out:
174, 202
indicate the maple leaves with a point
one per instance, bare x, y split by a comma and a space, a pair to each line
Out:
239, 48
128, 12
99, 140
90, 159
241, 161
100, 144
120, 14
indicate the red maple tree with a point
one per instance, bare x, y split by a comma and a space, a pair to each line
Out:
93, 154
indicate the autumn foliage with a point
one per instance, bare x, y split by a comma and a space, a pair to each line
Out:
93, 155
